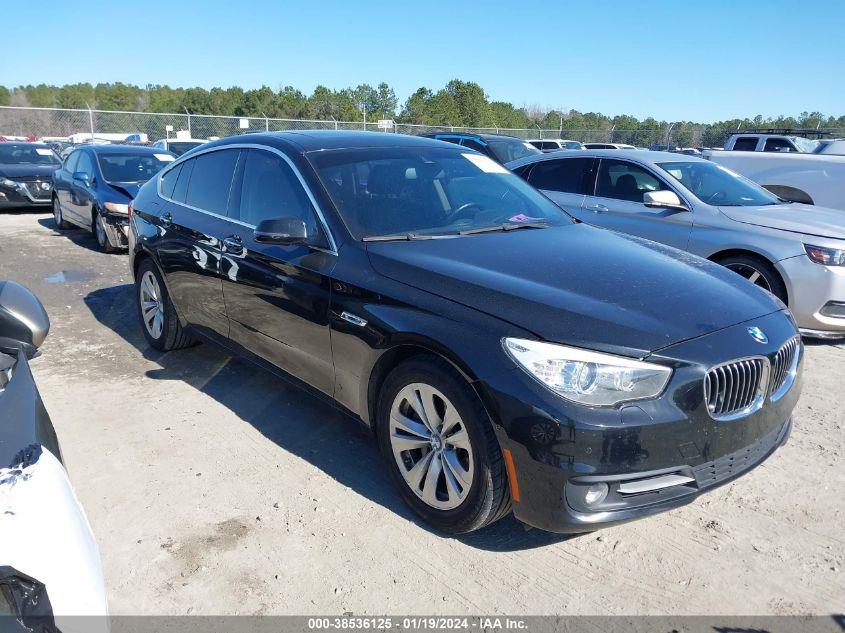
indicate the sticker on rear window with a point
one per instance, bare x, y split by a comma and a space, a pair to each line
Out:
44, 152
485, 164
164, 157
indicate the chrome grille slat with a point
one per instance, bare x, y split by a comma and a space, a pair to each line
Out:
733, 389
782, 367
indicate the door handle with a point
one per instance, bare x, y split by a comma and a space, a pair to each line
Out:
233, 244
598, 208
166, 219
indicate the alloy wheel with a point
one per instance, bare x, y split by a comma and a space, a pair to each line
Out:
57, 212
152, 306
751, 273
431, 446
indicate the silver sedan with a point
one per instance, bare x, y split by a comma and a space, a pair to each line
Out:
795, 251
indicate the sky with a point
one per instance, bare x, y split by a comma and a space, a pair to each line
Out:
692, 60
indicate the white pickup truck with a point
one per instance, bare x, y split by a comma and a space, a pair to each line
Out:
770, 142
809, 178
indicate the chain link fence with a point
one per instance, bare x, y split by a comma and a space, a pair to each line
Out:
81, 125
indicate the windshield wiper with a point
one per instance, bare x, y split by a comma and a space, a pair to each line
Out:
507, 226
398, 237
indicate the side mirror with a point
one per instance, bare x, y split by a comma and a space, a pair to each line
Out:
24, 323
663, 200
81, 176
285, 230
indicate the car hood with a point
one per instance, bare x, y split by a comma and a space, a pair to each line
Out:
27, 171
129, 189
579, 285
797, 218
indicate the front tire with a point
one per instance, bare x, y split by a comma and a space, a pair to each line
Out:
758, 272
98, 225
438, 444
159, 321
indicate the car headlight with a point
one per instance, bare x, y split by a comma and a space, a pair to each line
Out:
11, 184
586, 377
825, 255
114, 207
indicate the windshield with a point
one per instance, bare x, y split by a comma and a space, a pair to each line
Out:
572, 144
805, 145
180, 147
713, 184
428, 192
12, 154
508, 149
131, 167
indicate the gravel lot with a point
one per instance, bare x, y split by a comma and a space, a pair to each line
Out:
215, 488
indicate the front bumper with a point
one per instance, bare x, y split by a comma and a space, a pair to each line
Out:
810, 287
117, 228
559, 448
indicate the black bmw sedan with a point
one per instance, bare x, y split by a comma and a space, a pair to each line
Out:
506, 356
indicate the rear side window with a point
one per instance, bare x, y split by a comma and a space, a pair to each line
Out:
472, 144
211, 181
746, 144
777, 145
570, 175
168, 181
449, 139
183, 180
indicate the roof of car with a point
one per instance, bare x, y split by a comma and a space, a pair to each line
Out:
314, 140
486, 137
638, 155
122, 149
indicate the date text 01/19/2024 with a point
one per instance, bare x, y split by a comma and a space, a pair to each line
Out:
416, 623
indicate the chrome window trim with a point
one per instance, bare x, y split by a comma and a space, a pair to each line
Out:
761, 393
332, 250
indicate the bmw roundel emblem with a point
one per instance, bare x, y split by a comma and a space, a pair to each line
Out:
758, 335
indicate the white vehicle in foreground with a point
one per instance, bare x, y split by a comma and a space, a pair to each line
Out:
50, 572
817, 179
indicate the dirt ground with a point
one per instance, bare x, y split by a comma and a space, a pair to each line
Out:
215, 488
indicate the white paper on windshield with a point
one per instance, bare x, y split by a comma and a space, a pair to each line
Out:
485, 164
164, 157
44, 152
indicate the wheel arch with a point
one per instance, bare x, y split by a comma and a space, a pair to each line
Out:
404, 351
719, 256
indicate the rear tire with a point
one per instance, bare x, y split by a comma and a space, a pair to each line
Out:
61, 223
758, 271
439, 448
158, 318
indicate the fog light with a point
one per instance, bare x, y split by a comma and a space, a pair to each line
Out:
595, 494
834, 309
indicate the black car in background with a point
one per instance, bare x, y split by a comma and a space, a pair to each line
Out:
503, 149
26, 174
505, 355
96, 183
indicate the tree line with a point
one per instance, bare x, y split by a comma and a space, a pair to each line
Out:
458, 103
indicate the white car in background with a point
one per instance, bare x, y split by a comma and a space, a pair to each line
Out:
178, 145
555, 144
608, 146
